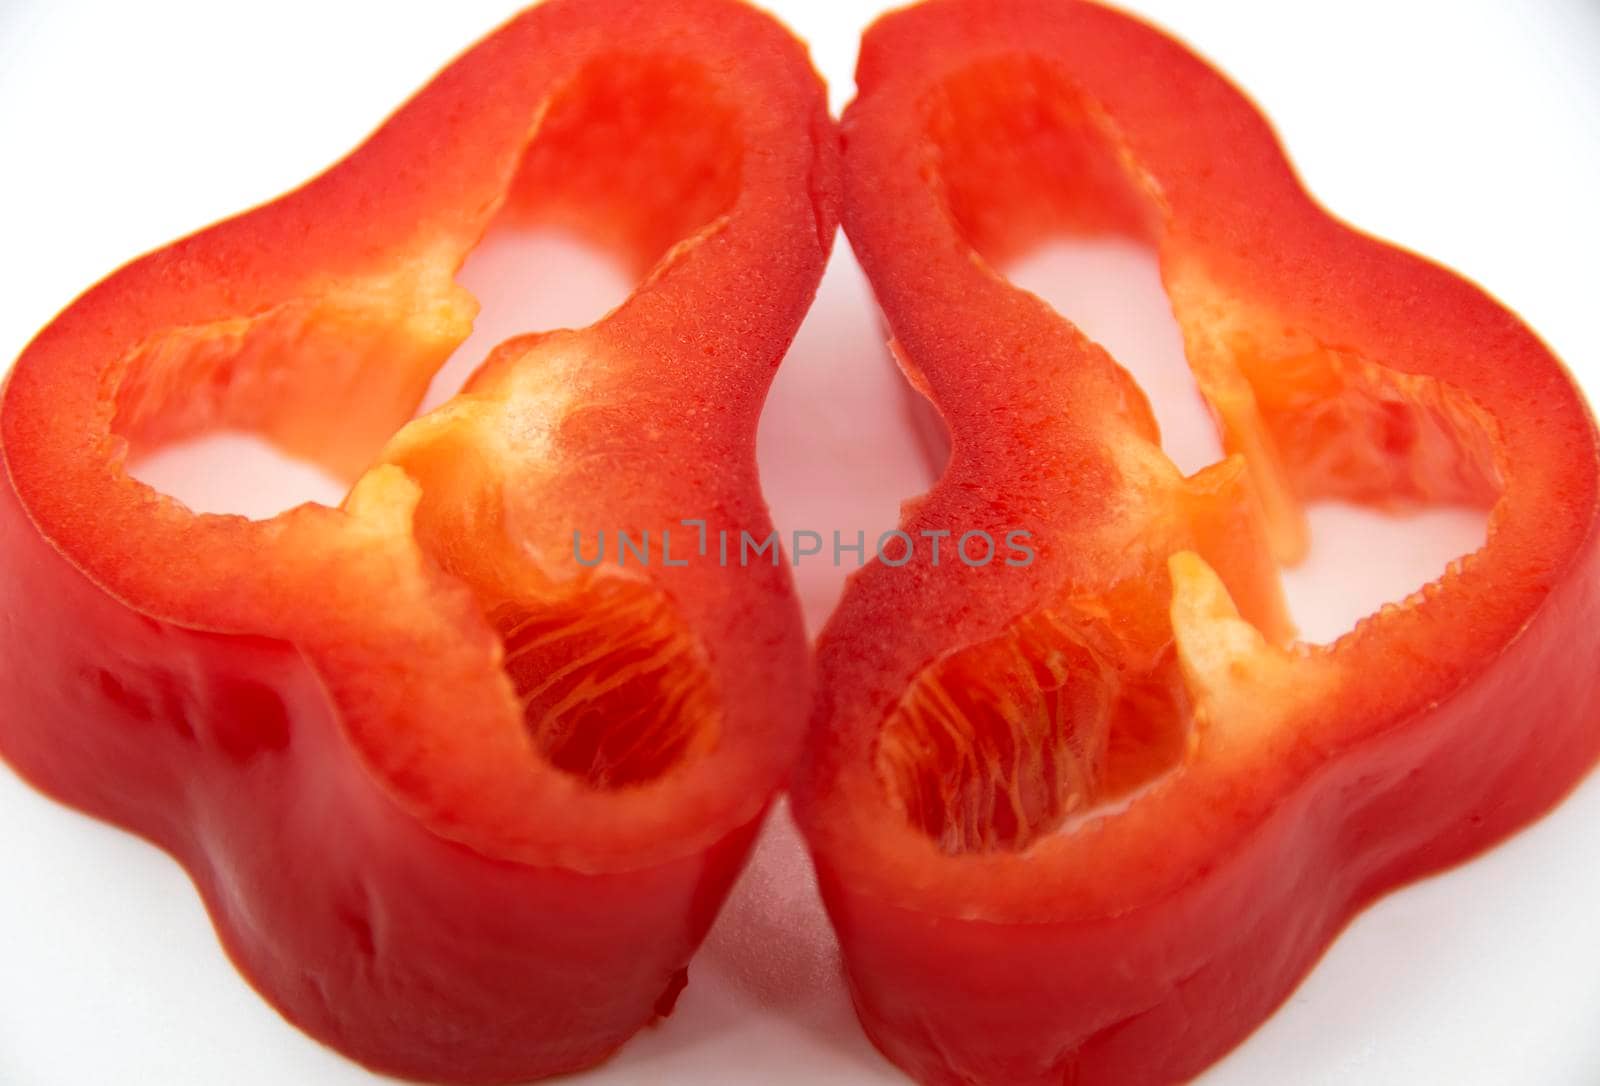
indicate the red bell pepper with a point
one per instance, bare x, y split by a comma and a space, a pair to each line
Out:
459, 806
1089, 820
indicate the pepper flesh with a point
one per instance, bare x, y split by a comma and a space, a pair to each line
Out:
1091, 820
458, 807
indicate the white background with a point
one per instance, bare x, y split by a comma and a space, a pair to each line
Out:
1467, 130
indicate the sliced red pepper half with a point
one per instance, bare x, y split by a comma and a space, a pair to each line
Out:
459, 805
1088, 819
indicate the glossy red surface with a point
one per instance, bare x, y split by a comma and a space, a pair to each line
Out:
332, 717
1113, 864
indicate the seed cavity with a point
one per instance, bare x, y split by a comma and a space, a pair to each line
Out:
614, 688
1000, 742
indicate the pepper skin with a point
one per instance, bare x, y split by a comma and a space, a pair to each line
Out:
459, 806
1090, 820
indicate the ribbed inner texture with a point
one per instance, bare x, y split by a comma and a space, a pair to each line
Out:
1002, 741
613, 688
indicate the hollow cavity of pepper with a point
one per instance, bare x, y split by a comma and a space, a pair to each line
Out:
634, 153
997, 744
